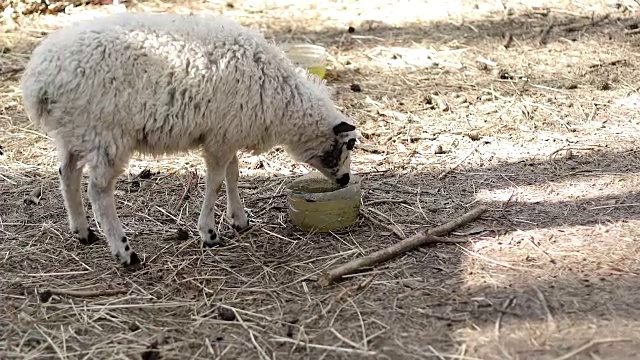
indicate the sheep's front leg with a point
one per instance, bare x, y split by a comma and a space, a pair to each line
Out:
70, 179
101, 194
213, 183
235, 210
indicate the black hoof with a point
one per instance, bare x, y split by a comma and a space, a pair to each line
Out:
90, 239
237, 230
241, 229
134, 262
214, 240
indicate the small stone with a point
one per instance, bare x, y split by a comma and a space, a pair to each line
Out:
133, 326
356, 88
437, 149
473, 136
145, 174
567, 154
503, 74
226, 314
442, 105
428, 100
134, 186
182, 234
351, 30
290, 327
151, 353
459, 100
45, 296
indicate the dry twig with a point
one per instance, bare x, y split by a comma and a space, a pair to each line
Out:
581, 27
45, 295
444, 173
508, 39
588, 345
11, 70
394, 229
374, 149
544, 35
545, 306
413, 242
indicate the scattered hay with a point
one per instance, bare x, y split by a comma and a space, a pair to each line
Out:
473, 110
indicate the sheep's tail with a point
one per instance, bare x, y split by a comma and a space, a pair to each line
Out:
37, 101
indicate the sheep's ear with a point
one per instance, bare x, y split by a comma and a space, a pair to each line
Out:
342, 128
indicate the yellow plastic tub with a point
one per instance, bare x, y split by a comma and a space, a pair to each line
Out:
311, 57
315, 204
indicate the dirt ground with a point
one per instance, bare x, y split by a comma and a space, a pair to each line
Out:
530, 109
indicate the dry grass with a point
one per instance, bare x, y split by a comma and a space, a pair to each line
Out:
544, 131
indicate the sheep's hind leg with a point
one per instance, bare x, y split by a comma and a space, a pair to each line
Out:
216, 168
102, 178
235, 210
70, 180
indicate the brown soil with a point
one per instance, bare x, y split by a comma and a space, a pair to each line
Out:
532, 111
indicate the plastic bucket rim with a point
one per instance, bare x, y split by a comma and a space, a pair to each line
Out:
351, 191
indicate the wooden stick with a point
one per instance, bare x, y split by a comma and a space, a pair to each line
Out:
46, 294
187, 189
446, 228
11, 70
413, 242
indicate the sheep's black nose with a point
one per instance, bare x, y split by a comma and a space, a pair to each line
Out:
343, 180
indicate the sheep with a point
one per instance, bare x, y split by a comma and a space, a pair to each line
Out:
159, 84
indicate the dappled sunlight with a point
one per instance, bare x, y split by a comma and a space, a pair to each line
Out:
546, 254
513, 337
602, 187
528, 108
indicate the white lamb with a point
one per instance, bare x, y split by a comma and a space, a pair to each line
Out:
165, 83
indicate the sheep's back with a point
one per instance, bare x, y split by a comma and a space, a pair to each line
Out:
162, 83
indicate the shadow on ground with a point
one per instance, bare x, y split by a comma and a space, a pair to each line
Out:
544, 271
427, 301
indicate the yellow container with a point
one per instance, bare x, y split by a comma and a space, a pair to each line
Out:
311, 57
315, 204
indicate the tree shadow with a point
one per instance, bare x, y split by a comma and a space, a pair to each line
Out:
424, 298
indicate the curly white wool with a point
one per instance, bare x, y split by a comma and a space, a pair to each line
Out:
166, 83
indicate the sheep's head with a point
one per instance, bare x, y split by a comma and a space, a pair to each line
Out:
333, 157
328, 143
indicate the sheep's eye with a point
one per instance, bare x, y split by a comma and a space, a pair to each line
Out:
351, 143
